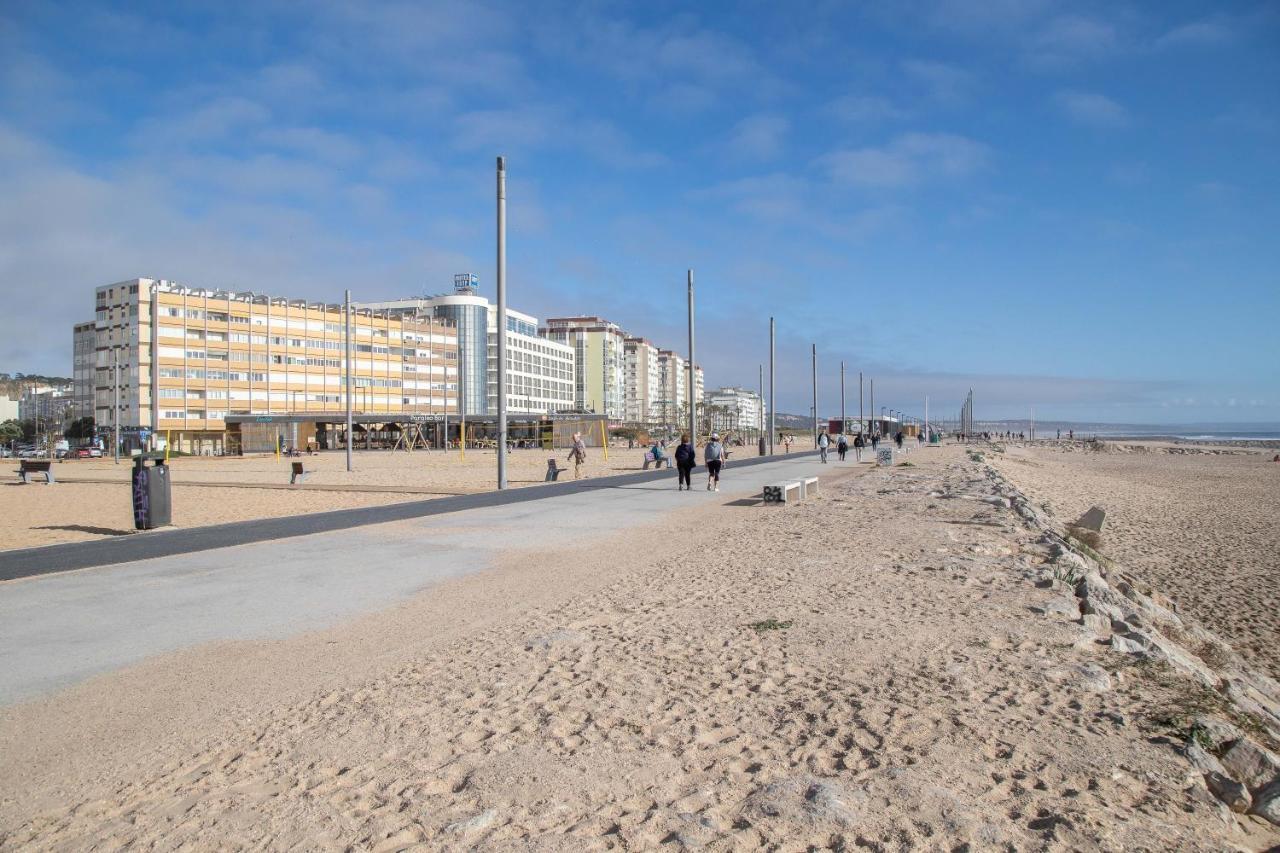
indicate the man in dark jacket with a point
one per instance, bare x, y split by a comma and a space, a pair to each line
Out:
686, 458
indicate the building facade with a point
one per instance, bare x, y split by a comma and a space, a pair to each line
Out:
642, 381
187, 358
50, 405
734, 410
84, 346
599, 362
539, 371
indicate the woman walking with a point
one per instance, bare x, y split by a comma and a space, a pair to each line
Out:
578, 453
686, 458
858, 444
842, 446
714, 455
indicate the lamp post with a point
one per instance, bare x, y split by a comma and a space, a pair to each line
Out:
502, 323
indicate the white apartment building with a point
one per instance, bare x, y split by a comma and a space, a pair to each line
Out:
599, 373
643, 382
735, 410
539, 371
48, 404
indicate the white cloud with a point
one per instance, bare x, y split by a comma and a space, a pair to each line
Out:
1090, 108
759, 137
910, 159
1196, 34
865, 109
1071, 39
945, 83
777, 196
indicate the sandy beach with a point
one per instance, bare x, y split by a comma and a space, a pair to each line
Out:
876, 667
92, 497
1196, 523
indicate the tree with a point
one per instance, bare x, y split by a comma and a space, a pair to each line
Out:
10, 430
80, 428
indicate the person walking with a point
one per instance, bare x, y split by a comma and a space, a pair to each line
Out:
858, 443
686, 458
875, 441
897, 439
823, 443
714, 456
842, 446
578, 453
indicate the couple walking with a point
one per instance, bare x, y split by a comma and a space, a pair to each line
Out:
687, 457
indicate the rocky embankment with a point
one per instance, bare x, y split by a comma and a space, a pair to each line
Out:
1231, 724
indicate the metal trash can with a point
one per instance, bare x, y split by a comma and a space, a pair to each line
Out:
152, 501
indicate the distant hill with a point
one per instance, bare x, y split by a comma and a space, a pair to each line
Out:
11, 385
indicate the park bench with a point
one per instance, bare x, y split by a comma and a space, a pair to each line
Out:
299, 474
783, 493
658, 463
35, 466
808, 487
553, 471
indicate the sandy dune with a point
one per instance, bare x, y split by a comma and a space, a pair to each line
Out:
872, 668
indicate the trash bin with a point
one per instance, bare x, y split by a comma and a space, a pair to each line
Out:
151, 492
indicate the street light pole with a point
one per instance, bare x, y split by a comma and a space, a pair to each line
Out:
815, 395
862, 424
502, 323
115, 407
773, 403
760, 414
693, 417
844, 430
346, 317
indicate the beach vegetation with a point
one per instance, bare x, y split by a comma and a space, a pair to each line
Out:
770, 625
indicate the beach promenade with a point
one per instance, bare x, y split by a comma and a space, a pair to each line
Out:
895, 663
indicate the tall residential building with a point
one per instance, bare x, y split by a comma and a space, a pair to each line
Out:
734, 410
599, 362
8, 409
673, 377
84, 346
540, 372
189, 358
642, 381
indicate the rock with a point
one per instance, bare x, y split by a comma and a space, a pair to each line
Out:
1148, 606
1093, 678
1106, 612
1266, 804
1095, 623
1201, 760
1231, 792
1127, 646
1216, 733
1092, 520
476, 823
1061, 606
1175, 655
1251, 764
1103, 599
1251, 697
1120, 626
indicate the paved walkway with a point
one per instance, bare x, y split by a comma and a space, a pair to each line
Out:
59, 629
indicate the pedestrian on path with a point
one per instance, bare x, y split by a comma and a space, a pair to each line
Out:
823, 443
842, 446
875, 441
858, 443
714, 456
578, 453
686, 458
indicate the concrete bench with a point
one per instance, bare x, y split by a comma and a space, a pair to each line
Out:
299, 474
27, 467
783, 493
553, 471
649, 460
808, 487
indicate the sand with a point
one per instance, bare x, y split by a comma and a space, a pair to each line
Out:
92, 499
870, 668
1202, 528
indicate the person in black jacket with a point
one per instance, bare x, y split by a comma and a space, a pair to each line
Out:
858, 443
686, 458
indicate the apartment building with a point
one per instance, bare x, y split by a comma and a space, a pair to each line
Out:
84, 346
188, 359
734, 410
49, 404
539, 371
599, 362
642, 381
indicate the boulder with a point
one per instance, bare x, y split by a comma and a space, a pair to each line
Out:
1127, 646
1216, 733
1231, 792
1095, 623
1266, 803
1061, 606
1203, 761
1251, 764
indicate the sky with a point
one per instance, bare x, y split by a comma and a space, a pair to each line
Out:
1069, 206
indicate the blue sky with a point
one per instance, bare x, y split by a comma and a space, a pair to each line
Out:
1072, 206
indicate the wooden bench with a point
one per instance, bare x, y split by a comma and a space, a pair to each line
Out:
553, 471
35, 466
299, 474
783, 493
